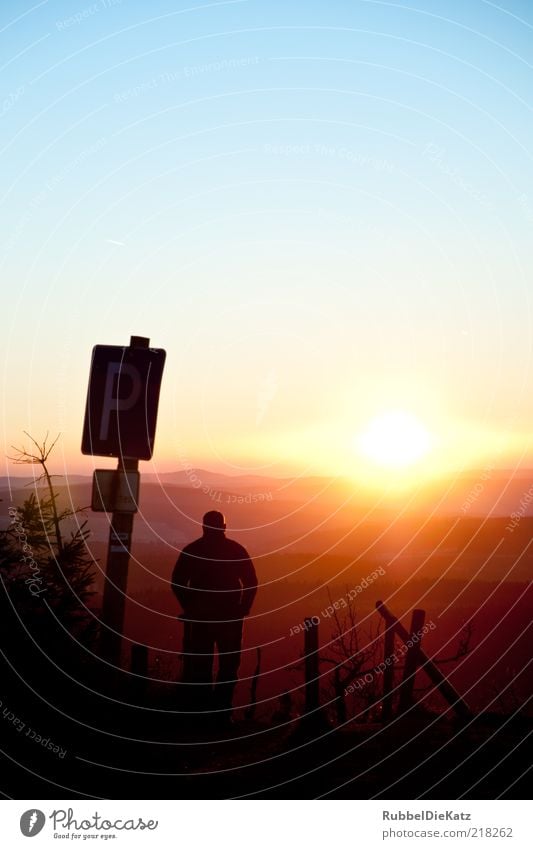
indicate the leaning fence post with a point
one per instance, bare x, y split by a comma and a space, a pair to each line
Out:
412, 660
430, 668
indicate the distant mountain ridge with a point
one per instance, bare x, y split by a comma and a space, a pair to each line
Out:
479, 493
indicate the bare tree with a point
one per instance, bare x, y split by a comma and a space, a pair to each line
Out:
348, 655
39, 560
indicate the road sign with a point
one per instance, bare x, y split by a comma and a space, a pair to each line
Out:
120, 541
122, 400
115, 491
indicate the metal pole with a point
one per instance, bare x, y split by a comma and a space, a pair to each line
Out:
118, 556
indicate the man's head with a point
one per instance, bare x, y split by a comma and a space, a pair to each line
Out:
214, 523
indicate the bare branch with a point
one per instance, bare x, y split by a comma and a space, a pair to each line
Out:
463, 647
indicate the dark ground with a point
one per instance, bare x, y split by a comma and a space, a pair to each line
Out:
112, 751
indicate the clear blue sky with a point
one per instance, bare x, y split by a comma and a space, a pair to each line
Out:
321, 210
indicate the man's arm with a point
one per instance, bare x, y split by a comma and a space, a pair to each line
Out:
249, 584
180, 579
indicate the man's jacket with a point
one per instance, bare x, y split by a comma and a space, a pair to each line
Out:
214, 579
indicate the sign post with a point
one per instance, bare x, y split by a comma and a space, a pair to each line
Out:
120, 420
116, 580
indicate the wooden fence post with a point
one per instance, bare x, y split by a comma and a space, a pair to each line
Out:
312, 680
249, 713
340, 699
314, 722
412, 660
431, 669
388, 673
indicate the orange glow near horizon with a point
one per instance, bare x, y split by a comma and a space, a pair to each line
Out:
382, 442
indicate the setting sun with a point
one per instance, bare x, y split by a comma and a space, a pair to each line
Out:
395, 439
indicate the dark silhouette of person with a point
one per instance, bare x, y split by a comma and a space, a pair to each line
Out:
215, 583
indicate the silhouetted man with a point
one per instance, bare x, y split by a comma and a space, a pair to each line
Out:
214, 580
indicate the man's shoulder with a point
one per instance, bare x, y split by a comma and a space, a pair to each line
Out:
228, 549
237, 550
193, 547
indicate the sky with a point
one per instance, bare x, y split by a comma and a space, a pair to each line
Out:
321, 211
